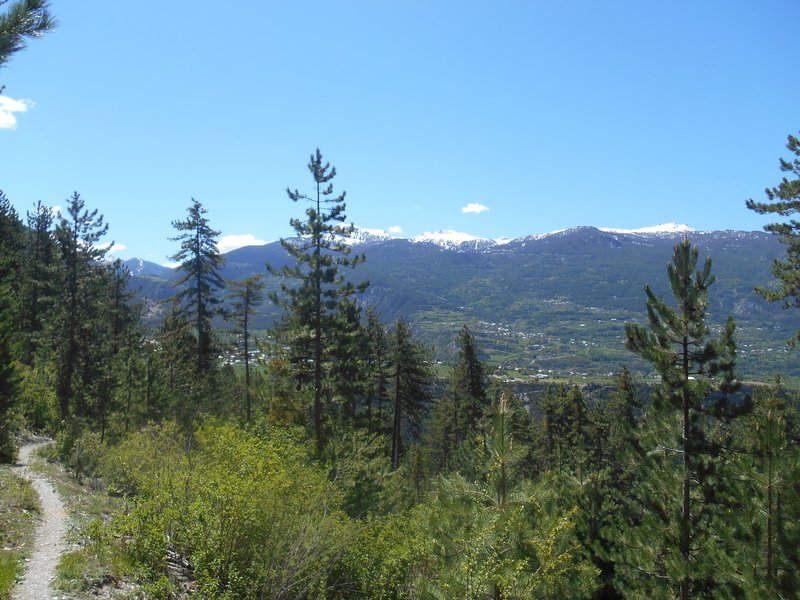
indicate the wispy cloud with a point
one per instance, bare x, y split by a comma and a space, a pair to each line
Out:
232, 242
395, 230
9, 106
474, 207
112, 247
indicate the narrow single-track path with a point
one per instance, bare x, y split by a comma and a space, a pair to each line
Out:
50, 535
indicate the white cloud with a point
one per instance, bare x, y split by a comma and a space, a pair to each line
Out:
9, 106
395, 230
232, 242
112, 247
474, 207
56, 210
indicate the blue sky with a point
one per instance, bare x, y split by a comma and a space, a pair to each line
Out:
548, 114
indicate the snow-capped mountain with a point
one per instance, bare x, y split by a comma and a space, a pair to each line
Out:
454, 240
663, 228
362, 235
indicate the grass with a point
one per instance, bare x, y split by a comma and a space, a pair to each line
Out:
19, 507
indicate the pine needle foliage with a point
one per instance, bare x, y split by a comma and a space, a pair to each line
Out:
784, 200
200, 262
499, 537
315, 286
21, 21
682, 487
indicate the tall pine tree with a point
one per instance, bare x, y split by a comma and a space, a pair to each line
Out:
200, 262
72, 337
697, 376
320, 253
412, 378
245, 295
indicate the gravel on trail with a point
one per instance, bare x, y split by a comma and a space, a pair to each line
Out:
40, 568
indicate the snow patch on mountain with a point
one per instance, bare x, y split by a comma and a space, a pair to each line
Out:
456, 240
663, 228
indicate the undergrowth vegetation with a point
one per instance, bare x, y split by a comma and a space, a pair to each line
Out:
19, 506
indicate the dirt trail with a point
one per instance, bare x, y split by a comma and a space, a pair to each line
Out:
41, 568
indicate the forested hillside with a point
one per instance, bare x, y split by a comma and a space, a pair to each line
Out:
544, 305
333, 458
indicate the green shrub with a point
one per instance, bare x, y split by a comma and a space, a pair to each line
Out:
80, 449
253, 514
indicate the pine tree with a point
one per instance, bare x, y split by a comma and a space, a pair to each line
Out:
697, 376
768, 518
411, 391
23, 19
38, 275
320, 253
201, 281
349, 355
10, 254
77, 236
377, 365
499, 537
245, 295
468, 387
784, 200
9, 378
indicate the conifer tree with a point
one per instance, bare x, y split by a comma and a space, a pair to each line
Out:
348, 370
11, 233
22, 20
245, 295
697, 376
9, 378
377, 365
37, 279
784, 200
76, 235
468, 387
10, 244
320, 253
768, 519
411, 390
499, 537
201, 281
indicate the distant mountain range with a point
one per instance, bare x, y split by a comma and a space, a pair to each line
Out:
546, 304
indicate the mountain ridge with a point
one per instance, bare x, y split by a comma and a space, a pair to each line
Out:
578, 284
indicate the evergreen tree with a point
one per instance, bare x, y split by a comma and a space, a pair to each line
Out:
37, 286
768, 519
377, 365
10, 252
458, 417
200, 262
245, 295
117, 326
172, 378
72, 336
565, 426
467, 387
22, 20
784, 200
697, 376
412, 378
11, 232
499, 537
9, 378
349, 355
319, 252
